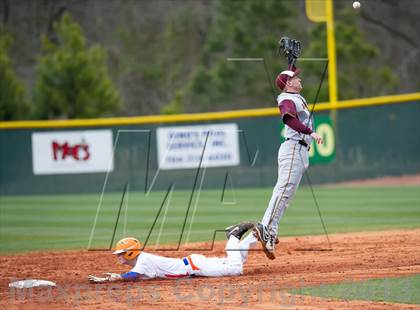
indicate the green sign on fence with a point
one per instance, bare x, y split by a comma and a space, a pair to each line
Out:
321, 153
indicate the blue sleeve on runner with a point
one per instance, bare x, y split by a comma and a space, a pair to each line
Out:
130, 276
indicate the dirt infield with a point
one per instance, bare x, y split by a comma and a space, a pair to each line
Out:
301, 261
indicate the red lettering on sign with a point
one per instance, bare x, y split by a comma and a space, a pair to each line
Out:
77, 151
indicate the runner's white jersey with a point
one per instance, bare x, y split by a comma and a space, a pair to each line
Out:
154, 266
303, 115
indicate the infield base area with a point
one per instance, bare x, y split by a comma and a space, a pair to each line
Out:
301, 262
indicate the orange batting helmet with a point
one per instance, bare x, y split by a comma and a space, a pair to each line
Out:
129, 246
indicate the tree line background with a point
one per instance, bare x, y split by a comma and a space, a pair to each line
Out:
94, 58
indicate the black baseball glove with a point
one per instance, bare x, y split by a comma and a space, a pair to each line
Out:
291, 49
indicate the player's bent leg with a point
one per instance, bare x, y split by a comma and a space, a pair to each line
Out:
231, 265
291, 166
283, 185
291, 173
233, 251
235, 270
247, 243
215, 266
238, 231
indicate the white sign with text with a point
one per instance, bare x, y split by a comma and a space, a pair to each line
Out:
70, 152
184, 147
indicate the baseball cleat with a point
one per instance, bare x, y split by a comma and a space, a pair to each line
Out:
267, 241
238, 230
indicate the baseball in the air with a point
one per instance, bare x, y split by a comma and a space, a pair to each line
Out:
356, 4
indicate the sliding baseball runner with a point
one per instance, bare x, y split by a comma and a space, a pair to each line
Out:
149, 266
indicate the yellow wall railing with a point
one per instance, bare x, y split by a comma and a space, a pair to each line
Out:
209, 116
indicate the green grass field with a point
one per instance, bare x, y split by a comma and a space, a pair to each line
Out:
400, 290
65, 221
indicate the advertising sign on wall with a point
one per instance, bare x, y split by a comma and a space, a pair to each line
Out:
69, 152
321, 153
184, 147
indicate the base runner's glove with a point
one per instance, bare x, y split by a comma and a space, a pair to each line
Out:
109, 277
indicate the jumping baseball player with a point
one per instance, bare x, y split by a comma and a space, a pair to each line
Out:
149, 266
293, 155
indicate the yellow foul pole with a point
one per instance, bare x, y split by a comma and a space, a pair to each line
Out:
332, 65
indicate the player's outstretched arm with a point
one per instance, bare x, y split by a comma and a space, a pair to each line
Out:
108, 277
113, 277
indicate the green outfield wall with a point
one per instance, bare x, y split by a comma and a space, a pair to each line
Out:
362, 142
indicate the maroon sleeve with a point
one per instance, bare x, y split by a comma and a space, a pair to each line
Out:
296, 124
287, 107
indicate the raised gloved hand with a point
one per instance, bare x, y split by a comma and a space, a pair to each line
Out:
109, 277
291, 49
